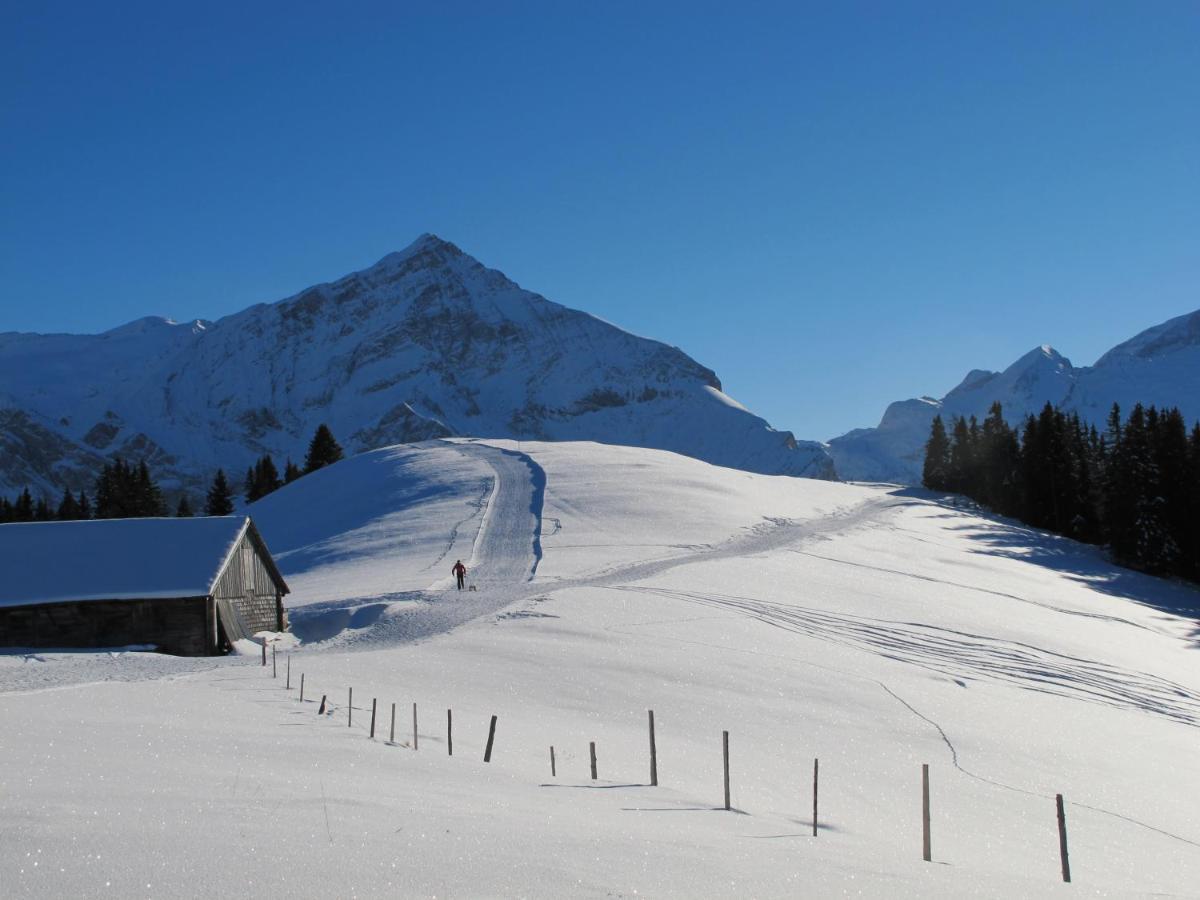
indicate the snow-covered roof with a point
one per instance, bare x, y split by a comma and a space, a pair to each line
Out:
114, 559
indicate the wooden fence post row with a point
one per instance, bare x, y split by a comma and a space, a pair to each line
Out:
926, 841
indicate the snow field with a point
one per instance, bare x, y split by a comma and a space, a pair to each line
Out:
874, 630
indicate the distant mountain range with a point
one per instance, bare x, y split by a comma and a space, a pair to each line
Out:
425, 343
1160, 366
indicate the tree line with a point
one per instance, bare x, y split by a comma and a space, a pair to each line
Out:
1134, 487
126, 491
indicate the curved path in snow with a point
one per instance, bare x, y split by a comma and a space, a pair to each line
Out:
508, 546
503, 561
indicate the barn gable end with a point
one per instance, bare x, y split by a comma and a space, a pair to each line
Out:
248, 590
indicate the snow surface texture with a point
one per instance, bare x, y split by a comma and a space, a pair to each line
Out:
114, 559
1160, 366
424, 344
877, 629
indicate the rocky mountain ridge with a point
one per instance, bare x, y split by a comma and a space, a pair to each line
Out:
425, 343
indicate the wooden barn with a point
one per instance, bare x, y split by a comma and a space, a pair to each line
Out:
187, 586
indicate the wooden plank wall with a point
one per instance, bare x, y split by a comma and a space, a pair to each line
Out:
174, 626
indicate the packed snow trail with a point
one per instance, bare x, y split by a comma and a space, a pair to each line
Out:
503, 560
508, 546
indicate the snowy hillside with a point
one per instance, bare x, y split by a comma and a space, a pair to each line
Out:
875, 629
426, 343
1160, 366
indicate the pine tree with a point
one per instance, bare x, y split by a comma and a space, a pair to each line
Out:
23, 508
267, 476
41, 512
184, 509
219, 501
323, 450
261, 479
85, 506
148, 498
291, 472
936, 471
997, 464
962, 460
68, 508
107, 492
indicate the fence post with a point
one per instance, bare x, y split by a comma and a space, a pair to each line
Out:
487, 754
392, 738
301, 687
274, 667
414, 726
321, 711
725, 750
592, 750
264, 653
449, 733
553, 770
288, 686
653, 753
1062, 838
925, 843
816, 762
374, 700
350, 708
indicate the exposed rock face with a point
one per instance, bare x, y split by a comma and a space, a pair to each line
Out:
426, 343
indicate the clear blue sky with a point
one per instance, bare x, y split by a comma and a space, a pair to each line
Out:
831, 204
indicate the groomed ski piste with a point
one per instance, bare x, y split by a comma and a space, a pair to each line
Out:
874, 628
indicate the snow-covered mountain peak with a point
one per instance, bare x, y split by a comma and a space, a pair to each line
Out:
1159, 366
425, 343
1042, 357
152, 325
1173, 335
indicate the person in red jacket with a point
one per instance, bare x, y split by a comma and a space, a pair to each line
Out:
460, 572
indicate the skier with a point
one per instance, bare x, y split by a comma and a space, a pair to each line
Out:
460, 572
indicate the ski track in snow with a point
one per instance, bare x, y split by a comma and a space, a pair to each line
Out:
961, 654
508, 550
504, 558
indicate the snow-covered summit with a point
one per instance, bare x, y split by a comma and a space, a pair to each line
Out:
425, 343
1161, 365
1178, 334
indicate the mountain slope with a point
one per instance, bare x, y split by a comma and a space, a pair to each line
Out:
1159, 366
873, 629
426, 343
